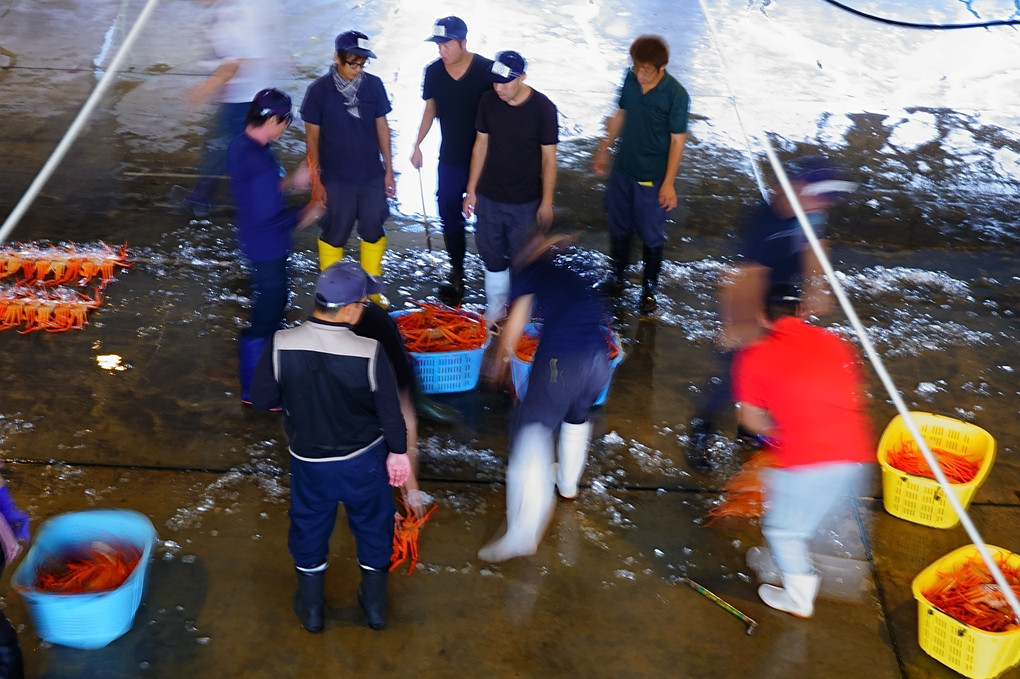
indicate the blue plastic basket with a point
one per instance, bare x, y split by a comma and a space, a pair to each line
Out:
447, 372
90, 620
521, 370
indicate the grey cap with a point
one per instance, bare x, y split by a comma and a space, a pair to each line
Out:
345, 283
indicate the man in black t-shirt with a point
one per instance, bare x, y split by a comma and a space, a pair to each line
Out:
513, 170
452, 86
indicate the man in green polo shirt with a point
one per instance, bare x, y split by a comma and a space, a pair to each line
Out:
651, 124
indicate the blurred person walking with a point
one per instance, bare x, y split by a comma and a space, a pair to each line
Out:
651, 125
569, 370
774, 251
452, 87
512, 179
245, 37
265, 222
14, 533
800, 387
348, 143
348, 442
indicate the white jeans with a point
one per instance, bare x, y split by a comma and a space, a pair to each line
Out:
797, 501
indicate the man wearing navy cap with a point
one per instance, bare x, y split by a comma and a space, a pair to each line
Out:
775, 251
264, 221
347, 439
513, 172
348, 144
452, 87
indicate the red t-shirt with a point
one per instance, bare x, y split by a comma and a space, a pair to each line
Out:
807, 378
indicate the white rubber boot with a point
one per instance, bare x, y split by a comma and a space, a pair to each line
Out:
796, 596
497, 292
572, 455
529, 496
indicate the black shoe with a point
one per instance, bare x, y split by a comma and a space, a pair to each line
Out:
697, 446
749, 438
613, 285
450, 294
308, 599
372, 597
647, 304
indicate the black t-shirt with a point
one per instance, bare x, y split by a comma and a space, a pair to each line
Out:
380, 326
456, 106
513, 162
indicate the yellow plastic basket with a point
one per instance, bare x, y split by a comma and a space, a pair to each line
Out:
972, 652
920, 499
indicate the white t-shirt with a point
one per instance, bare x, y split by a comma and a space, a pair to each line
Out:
253, 32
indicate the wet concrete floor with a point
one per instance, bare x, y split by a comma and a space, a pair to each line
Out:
927, 252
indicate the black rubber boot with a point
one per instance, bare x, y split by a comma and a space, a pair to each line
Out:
426, 407
451, 291
372, 596
697, 445
308, 600
650, 281
619, 256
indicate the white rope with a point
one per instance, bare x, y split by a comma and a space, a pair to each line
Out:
876, 362
79, 122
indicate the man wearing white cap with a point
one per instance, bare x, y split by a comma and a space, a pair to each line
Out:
513, 172
452, 87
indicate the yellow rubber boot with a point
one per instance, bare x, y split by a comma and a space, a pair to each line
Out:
371, 262
329, 255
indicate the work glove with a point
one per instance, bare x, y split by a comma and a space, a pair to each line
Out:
17, 518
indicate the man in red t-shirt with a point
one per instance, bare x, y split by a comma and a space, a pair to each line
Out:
800, 387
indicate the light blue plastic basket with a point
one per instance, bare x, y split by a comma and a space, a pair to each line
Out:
85, 620
521, 370
447, 372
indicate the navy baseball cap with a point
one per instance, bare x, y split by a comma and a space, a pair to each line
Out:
783, 293
354, 42
448, 28
272, 102
345, 283
506, 66
824, 177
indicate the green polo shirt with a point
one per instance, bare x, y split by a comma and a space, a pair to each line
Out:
649, 119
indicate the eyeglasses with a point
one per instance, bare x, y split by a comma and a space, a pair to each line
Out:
357, 64
644, 69
287, 119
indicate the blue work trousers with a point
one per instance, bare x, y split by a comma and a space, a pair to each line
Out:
362, 485
502, 229
634, 208
270, 292
452, 182
563, 387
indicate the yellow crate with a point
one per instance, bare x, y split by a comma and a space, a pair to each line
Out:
922, 500
972, 652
